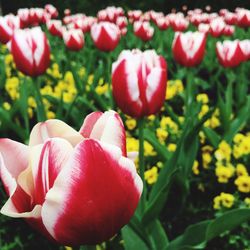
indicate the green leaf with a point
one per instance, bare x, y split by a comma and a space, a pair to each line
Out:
197, 235
212, 136
132, 241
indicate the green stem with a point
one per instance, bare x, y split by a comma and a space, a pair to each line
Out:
108, 78
189, 92
41, 116
141, 124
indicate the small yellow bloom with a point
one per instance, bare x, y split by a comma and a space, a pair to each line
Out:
195, 168
238, 138
224, 173
227, 200
6, 106
130, 123
171, 147
51, 115
161, 134
151, 175
203, 98
247, 201
241, 169
243, 183
223, 152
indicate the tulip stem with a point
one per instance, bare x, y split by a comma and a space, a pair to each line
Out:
109, 72
141, 124
39, 101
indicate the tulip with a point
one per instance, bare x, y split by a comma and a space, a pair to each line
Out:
51, 10
189, 48
37, 16
179, 24
31, 51
23, 15
55, 27
143, 30
74, 187
8, 24
73, 39
243, 17
139, 82
245, 48
204, 28
229, 53
134, 15
122, 22
228, 30
217, 27
162, 23
105, 35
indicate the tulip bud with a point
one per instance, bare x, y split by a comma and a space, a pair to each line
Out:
55, 27
139, 82
31, 51
105, 35
143, 30
189, 48
245, 47
229, 53
73, 39
8, 24
179, 24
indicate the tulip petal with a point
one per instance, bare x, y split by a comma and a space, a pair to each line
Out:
11, 167
94, 195
108, 128
47, 161
53, 128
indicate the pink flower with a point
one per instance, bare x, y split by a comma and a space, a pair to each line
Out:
245, 48
105, 35
8, 24
229, 53
31, 51
179, 24
51, 10
74, 187
143, 30
217, 26
189, 48
55, 27
73, 39
139, 82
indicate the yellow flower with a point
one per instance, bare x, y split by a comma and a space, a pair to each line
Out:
238, 138
6, 106
204, 110
51, 115
169, 124
224, 173
100, 90
202, 137
206, 159
8, 59
151, 175
151, 117
223, 152
217, 202
161, 134
132, 144
130, 123
241, 169
247, 201
148, 149
195, 168
243, 183
227, 200
203, 98
171, 147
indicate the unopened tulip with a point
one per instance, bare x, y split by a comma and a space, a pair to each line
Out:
228, 30
49, 8
243, 17
24, 16
75, 187
245, 48
189, 48
229, 53
162, 23
55, 27
8, 24
139, 82
105, 35
143, 30
179, 24
73, 39
217, 27
31, 51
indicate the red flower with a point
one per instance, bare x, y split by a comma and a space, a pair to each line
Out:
51, 10
105, 35
73, 39
143, 30
245, 48
75, 187
31, 51
229, 53
8, 24
139, 82
55, 27
243, 17
217, 26
179, 24
189, 48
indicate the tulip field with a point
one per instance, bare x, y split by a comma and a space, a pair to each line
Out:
125, 130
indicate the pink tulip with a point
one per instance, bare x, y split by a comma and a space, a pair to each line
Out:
74, 187
245, 48
217, 26
51, 10
73, 39
8, 24
243, 17
228, 30
229, 53
24, 16
139, 82
179, 24
143, 30
189, 48
105, 35
55, 27
31, 51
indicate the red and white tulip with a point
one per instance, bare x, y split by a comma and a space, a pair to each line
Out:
245, 48
75, 187
229, 53
139, 82
105, 35
31, 51
73, 39
189, 48
143, 30
55, 27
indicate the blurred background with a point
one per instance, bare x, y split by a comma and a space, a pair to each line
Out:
91, 7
